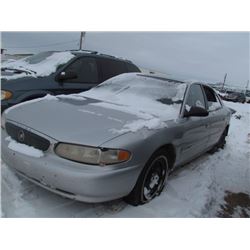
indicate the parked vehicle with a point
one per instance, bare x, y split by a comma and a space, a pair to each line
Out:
119, 139
56, 73
248, 96
235, 97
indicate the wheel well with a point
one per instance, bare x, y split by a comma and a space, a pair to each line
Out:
171, 153
226, 129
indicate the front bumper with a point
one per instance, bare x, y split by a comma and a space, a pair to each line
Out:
70, 179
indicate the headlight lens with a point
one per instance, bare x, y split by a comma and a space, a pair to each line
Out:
91, 155
5, 95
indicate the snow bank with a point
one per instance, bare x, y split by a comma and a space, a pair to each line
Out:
24, 149
43, 68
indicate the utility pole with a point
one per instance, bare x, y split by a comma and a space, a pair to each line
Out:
82, 35
225, 77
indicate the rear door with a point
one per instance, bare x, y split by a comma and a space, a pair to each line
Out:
195, 135
217, 116
88, 76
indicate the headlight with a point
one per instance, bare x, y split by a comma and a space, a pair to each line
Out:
5, 95
91, 155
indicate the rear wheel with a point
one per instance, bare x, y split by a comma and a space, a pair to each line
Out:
152, 179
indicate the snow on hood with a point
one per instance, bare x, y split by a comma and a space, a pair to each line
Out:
153, 101
37, 68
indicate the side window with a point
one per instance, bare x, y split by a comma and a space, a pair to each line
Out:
195, 97
86, 70
132, 68
212, 100
112, 68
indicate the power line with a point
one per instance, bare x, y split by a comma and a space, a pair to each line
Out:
41, 46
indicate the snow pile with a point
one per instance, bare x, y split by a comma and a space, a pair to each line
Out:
40, 68
152, 100
14, 191
24, 149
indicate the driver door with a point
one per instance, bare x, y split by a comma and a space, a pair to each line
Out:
195, 129
86, 76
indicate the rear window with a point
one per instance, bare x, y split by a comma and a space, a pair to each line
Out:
132, 68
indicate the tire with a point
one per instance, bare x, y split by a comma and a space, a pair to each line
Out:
222, 141
151, 180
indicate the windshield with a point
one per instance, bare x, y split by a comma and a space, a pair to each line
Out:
39, 65
38, 57
152, 100
125, 86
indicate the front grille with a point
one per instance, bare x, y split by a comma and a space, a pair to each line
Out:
26, 137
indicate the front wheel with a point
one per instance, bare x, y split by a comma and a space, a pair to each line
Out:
151, 181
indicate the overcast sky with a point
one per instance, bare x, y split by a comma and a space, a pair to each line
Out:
203, 56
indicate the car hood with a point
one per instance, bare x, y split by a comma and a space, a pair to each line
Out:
77, 121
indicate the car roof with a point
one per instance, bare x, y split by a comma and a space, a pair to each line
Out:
80, 53
173, 80
160, 77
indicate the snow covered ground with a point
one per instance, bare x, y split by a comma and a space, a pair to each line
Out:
215, 185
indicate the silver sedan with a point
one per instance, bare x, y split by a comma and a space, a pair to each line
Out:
119, 139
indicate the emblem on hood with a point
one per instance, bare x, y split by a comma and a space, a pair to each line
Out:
21, 136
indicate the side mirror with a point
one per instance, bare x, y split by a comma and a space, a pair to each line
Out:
196, 111
66, 76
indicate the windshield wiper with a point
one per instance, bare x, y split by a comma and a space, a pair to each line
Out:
19, 70
169, 101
